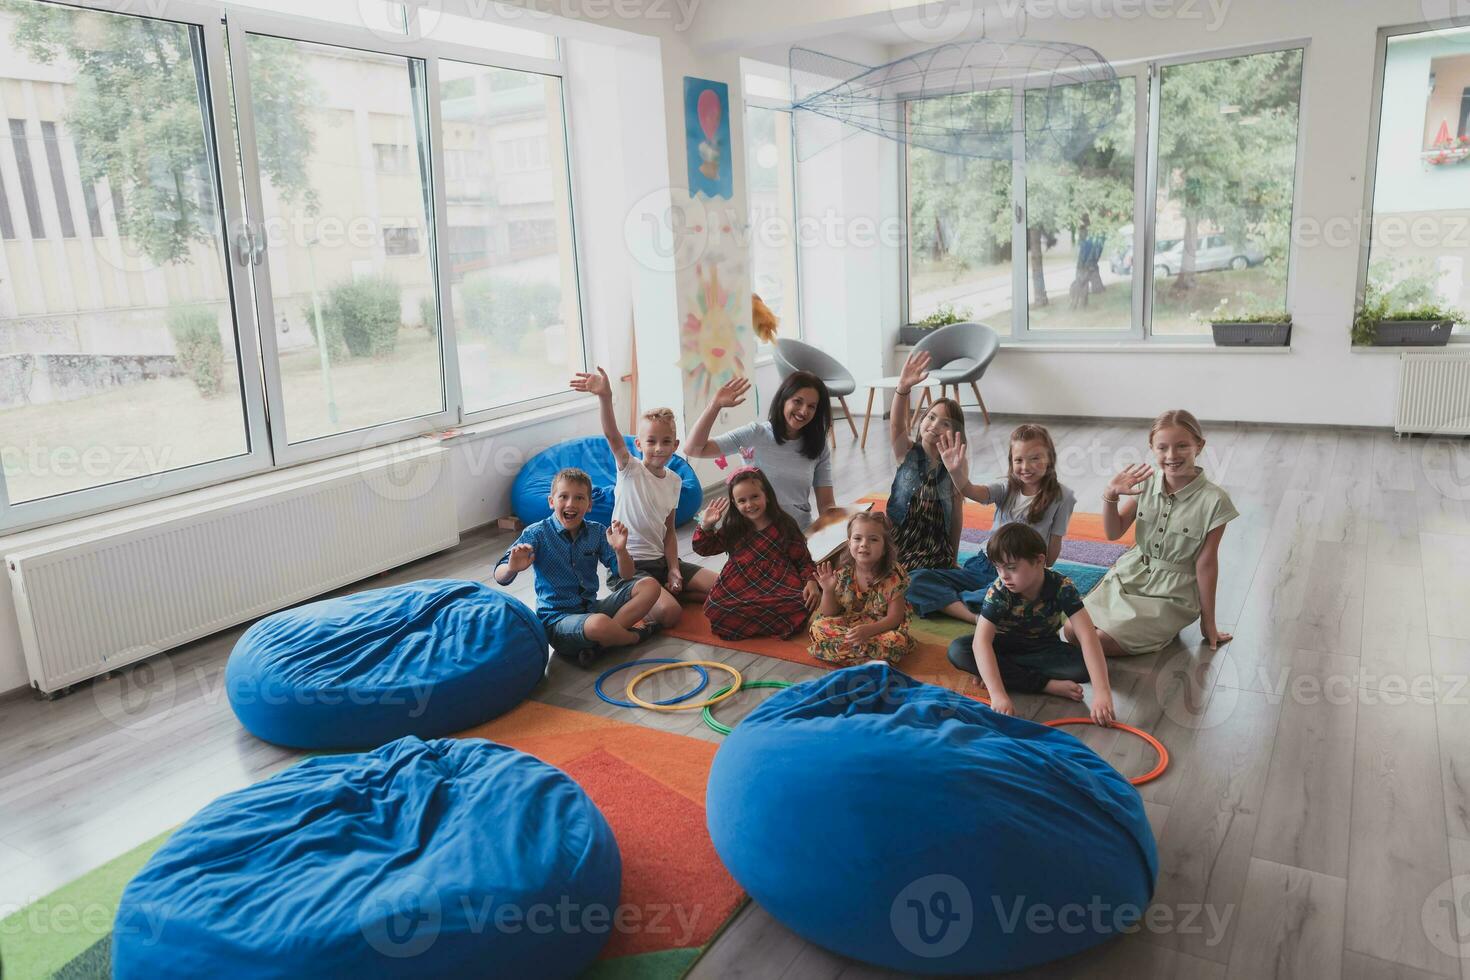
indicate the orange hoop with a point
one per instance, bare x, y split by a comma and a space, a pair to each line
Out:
1147, 777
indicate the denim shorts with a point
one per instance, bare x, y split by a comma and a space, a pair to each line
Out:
568, 630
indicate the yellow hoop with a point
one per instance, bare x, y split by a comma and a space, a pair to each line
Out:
735, 683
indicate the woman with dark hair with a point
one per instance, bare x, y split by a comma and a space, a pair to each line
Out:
790, 446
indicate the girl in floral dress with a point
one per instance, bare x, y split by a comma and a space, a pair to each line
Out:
863, 615
768, 587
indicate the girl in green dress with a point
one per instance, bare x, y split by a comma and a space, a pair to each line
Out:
1167, 580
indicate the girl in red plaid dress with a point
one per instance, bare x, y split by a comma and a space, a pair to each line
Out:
768, 587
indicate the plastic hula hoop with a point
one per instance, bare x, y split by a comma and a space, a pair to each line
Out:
1149, 776
737, 680
723, 729
703, 682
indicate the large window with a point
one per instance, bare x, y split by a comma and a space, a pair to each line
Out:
1227, 164
1063, 262
960, 218
770, 184
343, 290
512, 261
1420, 248
211, 264
1079, 205
118, 350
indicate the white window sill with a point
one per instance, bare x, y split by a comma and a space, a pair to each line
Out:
518, 420
1122, 347
1456, 347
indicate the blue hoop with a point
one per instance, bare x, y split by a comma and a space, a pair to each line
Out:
703, 682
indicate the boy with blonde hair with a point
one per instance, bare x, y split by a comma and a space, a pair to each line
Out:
644, 500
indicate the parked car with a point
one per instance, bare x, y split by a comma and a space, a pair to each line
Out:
1211, 253
1122, 261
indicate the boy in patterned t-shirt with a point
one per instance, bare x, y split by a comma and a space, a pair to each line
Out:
1016, 646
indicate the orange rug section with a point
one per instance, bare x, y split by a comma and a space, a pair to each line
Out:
650, 786
980, 517
927, 662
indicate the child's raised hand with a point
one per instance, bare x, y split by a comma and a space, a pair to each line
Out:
521, 557
826, 576
617, 535
1102, 709
715, 511
594, 384
1127, 481
732, 392
956, 457
915, 369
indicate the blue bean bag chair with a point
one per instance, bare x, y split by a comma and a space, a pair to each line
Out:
428, 658
533, 482
448, 858
912, 828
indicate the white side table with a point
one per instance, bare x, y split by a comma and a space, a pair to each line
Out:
882, 384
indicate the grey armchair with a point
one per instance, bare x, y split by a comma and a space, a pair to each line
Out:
959, 354
793, 355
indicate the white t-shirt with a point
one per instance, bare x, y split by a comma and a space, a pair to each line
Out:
644, 502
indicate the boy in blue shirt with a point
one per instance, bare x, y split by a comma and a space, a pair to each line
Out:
565, 550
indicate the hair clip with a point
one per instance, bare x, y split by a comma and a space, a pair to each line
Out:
742, 471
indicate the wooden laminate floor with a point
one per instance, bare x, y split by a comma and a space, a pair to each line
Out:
1314, 820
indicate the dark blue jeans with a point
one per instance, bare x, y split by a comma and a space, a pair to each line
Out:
1026, 663
931, 589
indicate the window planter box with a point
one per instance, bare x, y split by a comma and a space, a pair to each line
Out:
1412, 333
912, 333
1228, 333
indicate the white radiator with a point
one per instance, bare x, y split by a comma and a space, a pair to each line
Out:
1434, 394
92, 603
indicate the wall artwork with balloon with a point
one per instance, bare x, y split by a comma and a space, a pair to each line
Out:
707, 132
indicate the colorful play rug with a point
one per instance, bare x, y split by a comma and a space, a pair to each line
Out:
1086, 555
649, 785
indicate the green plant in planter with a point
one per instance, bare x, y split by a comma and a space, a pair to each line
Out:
944, 316
1377, 306
1243, 313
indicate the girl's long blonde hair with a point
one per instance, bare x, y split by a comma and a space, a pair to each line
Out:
1050, 490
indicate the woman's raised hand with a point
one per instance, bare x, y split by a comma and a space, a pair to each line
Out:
1128, 480
915, 370
732, 392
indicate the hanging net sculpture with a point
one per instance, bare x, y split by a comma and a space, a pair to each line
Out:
957, 98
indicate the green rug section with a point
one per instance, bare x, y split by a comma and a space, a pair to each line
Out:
667, 964
68, 934
59, 935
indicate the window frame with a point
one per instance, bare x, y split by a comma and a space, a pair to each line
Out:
762, 102
224, 103
1370, 171
1148, 73
220, 142
516, 62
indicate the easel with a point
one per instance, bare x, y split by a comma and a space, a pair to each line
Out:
633, 375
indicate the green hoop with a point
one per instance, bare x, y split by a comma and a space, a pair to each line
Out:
709, 716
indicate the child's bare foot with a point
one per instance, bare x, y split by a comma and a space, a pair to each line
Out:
1064, 689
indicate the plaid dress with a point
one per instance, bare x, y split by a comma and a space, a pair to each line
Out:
759, 589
